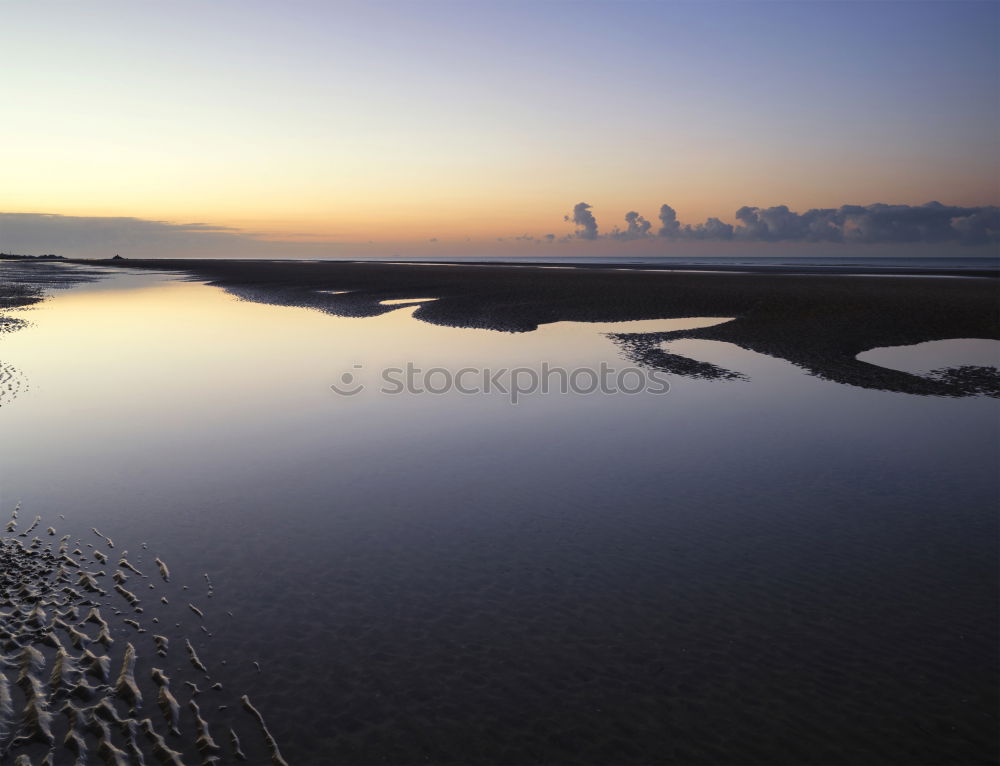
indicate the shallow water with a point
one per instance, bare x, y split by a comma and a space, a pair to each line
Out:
779, 569
921, 358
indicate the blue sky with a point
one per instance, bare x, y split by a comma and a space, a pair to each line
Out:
401, 122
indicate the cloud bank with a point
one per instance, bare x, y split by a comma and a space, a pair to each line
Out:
862, 227
105, 236
862, 224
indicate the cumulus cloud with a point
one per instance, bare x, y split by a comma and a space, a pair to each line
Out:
932, 222
871, 224
713, 228
669, 225
636, 227
586, 224
861, 224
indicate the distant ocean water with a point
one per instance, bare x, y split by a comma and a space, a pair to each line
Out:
965, 263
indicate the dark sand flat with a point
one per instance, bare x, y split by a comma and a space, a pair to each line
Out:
818, 321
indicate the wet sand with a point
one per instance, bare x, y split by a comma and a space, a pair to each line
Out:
818, 321
94, 664
85, 667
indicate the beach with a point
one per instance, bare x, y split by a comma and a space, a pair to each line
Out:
786, 557
500, 384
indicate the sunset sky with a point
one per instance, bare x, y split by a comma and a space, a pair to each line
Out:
339, 123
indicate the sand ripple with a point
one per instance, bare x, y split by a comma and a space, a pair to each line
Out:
72, 687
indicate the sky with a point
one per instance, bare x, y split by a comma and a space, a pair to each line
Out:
338, 128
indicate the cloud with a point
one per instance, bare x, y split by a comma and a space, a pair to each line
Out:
102, 237
871, 224
185, 226
637, 227
713, 228
979, 228
861, 224
586, 224
774, 223
932, 222
670, 226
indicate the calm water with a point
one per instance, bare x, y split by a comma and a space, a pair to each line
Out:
889, 263
775, 570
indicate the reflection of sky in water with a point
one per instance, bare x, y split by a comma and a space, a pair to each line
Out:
400, 301
936, 354
755, 511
